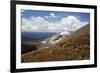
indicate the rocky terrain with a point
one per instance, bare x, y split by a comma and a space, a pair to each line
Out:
62, 47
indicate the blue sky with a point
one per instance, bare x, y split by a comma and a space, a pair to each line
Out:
32, 20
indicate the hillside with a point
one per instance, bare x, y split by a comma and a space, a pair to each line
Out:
73, 47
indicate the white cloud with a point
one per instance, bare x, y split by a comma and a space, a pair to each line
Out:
34, 24
70, 23
52, 15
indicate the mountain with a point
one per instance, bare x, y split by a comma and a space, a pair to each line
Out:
60, 36
75, 46
82, 30
78, 37
55, 38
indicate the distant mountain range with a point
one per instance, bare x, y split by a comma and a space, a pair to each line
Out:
61, 47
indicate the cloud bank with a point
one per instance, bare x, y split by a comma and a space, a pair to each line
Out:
41, 24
